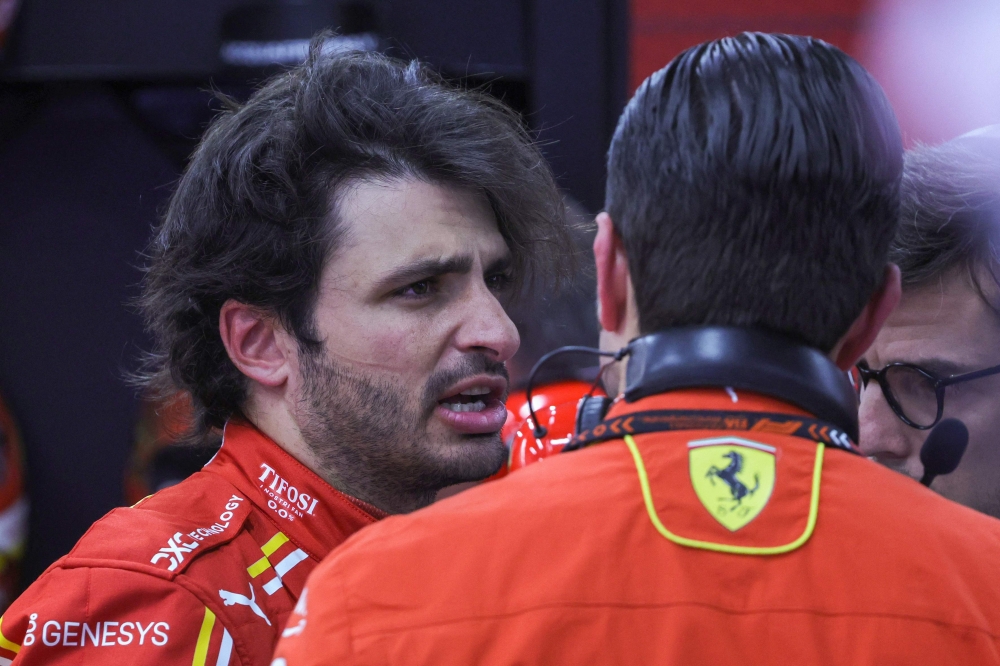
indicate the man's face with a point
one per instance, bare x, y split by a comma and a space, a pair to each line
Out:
407, 394
949, 329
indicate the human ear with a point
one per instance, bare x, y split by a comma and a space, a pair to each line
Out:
612, 275
255, 342
865, 328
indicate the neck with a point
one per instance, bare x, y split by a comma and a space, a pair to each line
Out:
383, 494
351, 477
277, 423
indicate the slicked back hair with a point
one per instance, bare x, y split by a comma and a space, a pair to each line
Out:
950, 213
253, 217
755, 182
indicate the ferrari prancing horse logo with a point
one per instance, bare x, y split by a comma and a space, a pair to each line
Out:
732, 477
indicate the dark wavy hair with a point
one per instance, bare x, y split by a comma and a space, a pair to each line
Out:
253, 217
755, 182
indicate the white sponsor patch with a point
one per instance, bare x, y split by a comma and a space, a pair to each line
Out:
107, 633
180, 544
285, 499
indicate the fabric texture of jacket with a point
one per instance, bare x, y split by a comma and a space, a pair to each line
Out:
688, 547
204, 572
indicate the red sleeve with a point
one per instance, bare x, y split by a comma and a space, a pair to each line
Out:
86, 616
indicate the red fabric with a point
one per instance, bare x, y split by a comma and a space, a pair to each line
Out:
660, 29
146, 581
560, 564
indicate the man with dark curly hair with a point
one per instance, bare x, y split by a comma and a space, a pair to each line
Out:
327, 286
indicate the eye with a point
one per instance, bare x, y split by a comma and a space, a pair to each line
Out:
421, 288
498, 281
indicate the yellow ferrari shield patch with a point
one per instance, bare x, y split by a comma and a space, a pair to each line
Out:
732, 477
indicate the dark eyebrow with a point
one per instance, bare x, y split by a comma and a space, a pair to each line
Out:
424, 269
499, 265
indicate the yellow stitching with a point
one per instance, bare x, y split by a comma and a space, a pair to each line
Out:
647, 497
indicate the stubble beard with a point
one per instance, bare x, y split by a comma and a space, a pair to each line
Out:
370, 435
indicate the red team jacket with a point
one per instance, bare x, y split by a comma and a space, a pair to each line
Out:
204, 572
634, 551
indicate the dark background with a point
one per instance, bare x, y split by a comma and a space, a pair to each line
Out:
100, 103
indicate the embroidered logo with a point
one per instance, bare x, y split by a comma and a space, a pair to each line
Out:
732, 477
233, 599
285, 499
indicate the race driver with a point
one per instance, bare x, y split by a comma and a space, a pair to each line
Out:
753, 192
327, 284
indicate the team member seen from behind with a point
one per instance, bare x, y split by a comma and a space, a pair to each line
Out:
938, 355
327, 284
721, 514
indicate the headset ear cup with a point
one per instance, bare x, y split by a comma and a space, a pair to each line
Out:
591, 411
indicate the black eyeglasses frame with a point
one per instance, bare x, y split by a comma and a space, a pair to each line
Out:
939, 384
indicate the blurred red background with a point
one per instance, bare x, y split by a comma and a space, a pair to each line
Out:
938, 60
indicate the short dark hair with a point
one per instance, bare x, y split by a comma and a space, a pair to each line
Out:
253, 217
755, 182
950, 213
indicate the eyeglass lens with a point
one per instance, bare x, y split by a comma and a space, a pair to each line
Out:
914, 393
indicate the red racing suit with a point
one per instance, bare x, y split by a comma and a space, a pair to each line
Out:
204, 572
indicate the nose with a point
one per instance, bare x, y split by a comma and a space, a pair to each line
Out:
486, 328
885, 437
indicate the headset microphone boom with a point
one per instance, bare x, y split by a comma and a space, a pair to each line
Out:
943, 449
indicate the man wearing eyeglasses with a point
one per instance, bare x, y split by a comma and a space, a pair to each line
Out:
938, 356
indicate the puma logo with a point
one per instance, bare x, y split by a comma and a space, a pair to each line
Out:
233, 599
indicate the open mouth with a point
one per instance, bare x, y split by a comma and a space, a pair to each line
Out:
475, 406
470, 400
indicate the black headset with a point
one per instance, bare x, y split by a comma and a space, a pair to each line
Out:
719, 356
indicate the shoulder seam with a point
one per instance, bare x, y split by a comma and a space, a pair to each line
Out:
126, 565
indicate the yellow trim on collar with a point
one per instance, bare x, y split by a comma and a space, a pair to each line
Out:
647, 497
